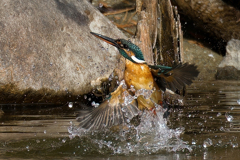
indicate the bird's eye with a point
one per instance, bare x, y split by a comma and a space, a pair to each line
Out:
125, 46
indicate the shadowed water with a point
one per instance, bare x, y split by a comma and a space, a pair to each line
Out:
207, 127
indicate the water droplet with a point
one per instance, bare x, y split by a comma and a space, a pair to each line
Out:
222, 128
70, 104
64, 140
94, 104
132, 89
235, 145
100, 5
207, 143
238, 101
219, 114
193, 142
229, 117
27, 147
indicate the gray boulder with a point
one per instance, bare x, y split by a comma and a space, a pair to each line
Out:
232, 57
229, 68
47, 44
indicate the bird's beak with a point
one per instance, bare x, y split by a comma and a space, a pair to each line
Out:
106, 39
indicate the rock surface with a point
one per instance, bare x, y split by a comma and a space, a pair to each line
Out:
232, 57
206, 59
229, 68
228, 73
47, 44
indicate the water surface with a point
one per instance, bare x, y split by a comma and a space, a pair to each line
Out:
207, 127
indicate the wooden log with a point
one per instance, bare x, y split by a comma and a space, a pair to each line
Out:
214, 17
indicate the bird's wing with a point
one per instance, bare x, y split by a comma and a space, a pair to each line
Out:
113, 111
176, 77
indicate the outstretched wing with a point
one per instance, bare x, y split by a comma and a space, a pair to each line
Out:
113, 111
176, 77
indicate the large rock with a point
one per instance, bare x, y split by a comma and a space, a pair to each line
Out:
232, 57
47, 44
206, 59
229, 68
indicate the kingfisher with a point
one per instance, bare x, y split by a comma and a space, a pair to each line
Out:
120, 106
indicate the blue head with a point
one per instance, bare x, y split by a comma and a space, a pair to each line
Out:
126, 48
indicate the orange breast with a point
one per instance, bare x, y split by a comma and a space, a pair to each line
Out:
140, 76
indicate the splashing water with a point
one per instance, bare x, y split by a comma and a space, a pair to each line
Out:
229, 117
128, 98
152, 135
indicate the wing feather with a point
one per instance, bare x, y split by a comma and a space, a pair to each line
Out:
109, 113
174, 78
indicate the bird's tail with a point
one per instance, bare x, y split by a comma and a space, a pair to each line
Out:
174, 78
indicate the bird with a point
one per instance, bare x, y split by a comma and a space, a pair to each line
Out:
139, 77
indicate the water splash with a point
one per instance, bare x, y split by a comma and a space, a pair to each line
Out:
70, 104
238, 101
152, 135
207, 143
229, 117
128, 98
